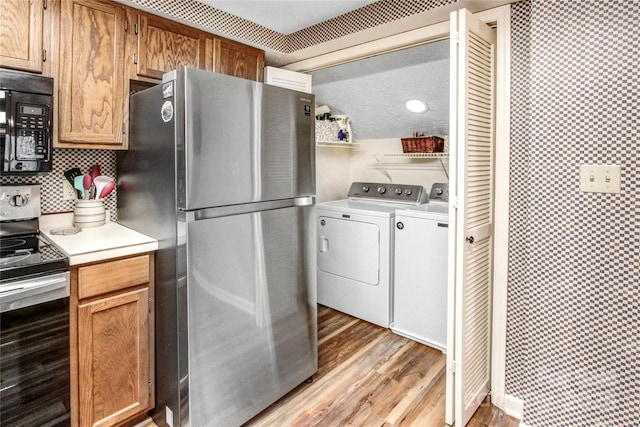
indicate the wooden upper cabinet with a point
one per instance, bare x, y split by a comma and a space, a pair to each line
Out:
165, 45
91, 75
21, 34
237, 59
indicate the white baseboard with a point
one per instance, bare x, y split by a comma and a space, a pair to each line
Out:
514, 407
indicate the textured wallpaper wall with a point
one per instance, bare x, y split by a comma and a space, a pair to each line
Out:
573, 340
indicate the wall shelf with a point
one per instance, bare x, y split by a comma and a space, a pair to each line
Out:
413, 155
380, 159
338, 144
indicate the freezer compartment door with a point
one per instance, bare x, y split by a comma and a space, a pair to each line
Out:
244, 142
252, 312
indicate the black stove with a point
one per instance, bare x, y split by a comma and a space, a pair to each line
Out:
34, 316
29, 255
25, 253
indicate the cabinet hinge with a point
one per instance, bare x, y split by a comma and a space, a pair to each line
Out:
124, 129
126, 25
453, 366
135, 58
44, 55
457, 37
150, 305
135, 29
150, 387
44, 4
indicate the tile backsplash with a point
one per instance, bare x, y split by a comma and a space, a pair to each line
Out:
52, 183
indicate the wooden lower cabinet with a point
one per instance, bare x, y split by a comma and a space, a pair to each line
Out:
112, 341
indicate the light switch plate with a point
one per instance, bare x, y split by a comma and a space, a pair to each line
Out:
600, 178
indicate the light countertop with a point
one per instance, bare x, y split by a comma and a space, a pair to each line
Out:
110, 240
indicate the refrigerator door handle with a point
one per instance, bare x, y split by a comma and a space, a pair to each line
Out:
221, 211
304, 201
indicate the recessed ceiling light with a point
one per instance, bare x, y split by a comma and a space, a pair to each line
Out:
415, 106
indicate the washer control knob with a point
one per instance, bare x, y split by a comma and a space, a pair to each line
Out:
407, 191
439, 191
400, 225
365, 188
398, 191
382, 190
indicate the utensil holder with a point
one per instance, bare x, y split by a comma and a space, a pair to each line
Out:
89, 213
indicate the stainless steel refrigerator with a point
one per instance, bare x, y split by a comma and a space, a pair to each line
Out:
221, 171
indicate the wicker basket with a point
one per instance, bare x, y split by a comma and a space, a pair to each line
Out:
423, 144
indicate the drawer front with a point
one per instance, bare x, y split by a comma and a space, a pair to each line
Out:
112, 276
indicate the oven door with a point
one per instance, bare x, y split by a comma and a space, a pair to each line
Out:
34, 337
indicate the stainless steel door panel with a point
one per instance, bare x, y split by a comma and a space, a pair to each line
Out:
252, 319
256, 145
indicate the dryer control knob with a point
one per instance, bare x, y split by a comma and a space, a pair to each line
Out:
365, 188
398, 190
400, 225
382, 190
408, 191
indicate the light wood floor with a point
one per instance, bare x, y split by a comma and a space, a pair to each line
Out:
368, 376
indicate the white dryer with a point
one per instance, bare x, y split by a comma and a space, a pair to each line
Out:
355, 252
420, 274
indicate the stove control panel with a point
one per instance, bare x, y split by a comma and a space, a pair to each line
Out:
19, 202
397, 193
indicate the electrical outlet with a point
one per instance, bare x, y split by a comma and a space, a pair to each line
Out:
600, 178
68, 192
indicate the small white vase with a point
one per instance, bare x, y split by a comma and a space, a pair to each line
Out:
89, 213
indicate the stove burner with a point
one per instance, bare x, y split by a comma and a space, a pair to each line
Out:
14, 257
29, 255
9, 243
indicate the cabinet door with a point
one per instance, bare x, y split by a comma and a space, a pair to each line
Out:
113, 357
164, 45
237, 59
21, 41
91, 75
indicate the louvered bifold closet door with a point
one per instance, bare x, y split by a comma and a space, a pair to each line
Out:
472, 182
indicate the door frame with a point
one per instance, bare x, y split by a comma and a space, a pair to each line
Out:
500, 18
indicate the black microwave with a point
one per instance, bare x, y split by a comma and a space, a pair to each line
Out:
26, 117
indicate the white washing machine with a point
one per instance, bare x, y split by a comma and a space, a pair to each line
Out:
420, 274
355, 252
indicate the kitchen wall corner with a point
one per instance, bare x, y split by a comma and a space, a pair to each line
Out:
63, 159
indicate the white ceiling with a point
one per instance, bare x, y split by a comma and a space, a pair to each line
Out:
287, 16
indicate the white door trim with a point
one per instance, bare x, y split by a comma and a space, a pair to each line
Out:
501, 18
